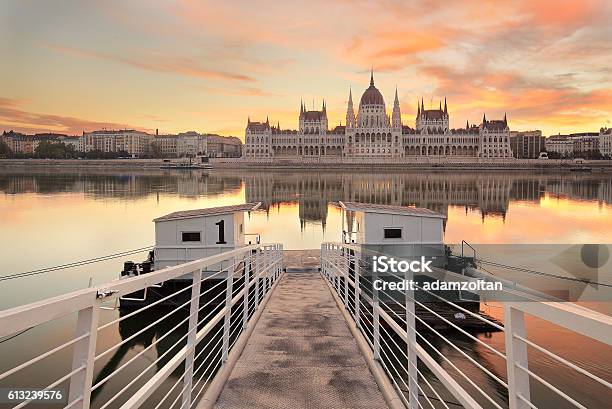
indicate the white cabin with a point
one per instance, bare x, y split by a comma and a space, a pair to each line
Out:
397, 230
193, 234
374, 224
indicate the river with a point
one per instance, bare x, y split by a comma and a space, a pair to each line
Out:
51, 216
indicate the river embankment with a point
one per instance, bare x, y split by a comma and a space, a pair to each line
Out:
309, 164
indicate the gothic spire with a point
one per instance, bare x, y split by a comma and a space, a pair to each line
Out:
372, 77
418, 109
422, 106
445, 107
350, 114
484, 118
440, 108
467, 124
505, 119
397, 116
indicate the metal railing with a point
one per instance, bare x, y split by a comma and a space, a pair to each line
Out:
388, 322
191, 346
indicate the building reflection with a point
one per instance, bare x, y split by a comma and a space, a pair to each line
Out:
488, 192
125, 185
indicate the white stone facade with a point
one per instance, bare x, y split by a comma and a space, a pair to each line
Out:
605, 142
561, 144
135, 143
372, 133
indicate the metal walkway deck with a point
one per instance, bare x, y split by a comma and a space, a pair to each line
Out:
301, 355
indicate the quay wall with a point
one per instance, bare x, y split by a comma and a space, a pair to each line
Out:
310, 163
413, 164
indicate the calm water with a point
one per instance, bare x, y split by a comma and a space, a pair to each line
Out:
51, 217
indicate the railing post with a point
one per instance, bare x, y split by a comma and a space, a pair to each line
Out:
245, 300
264, 261
516, 353
357, 294
280, 255
375, 316
282, 259
328, 255
194, 306
84, 354
257, 269
346, 264
337, 258
228, 315
324, 265
411, 354
268, 267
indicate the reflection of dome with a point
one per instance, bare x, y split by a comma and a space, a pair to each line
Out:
372, 95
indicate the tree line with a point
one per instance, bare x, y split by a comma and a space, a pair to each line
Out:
58, 150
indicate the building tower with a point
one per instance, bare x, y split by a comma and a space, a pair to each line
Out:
396, 118
350, 112
372, 112
432, 121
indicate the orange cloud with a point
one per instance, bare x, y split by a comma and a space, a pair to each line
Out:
530, 100
542, 61
177, 65
12, 117
562, 13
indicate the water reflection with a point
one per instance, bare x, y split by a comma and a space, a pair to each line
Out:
489, 192
125, 185
55, 216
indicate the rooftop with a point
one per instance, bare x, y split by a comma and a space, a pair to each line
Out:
495, 125
433, 114
388, 209
313, 115
372, 96
258, 126
211, 211
339, 130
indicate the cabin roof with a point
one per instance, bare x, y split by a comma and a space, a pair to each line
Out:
387, 209
211, 211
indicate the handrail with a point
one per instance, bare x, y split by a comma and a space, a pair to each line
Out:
342, 266
255, 268
468, 244
25, 316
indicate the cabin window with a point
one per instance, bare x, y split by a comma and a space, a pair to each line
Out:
393, 233
191, 236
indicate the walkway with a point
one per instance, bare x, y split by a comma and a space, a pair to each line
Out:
301, 355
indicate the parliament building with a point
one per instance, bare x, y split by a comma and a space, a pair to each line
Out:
372, 133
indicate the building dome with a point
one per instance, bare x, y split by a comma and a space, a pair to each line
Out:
372, 95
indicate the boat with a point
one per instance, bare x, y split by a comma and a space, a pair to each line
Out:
580, 169
196, 239
184, 165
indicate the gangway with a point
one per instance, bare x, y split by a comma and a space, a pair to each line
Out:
315, 337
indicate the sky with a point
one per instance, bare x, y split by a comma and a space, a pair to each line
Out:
74, 66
